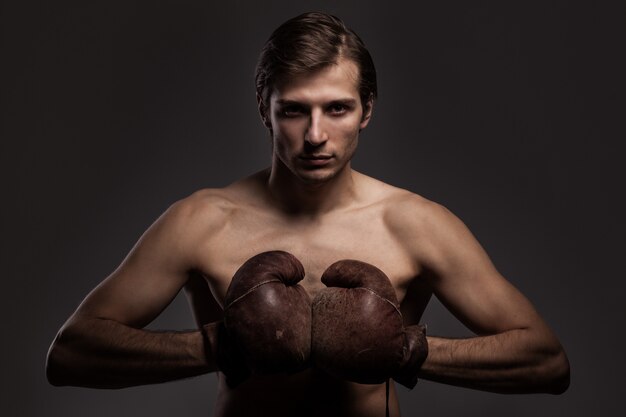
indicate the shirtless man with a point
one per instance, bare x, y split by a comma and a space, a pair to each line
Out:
314, 101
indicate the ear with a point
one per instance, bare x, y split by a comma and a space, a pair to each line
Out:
263, 111
367, 112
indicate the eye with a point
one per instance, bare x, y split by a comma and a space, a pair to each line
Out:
337, 109
292, 110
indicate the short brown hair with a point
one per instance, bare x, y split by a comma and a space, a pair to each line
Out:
308, 43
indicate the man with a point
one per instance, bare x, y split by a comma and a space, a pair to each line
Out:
316, 86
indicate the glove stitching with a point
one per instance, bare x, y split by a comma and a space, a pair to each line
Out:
251, 290
381, 297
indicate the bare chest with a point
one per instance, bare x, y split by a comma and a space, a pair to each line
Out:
361, 235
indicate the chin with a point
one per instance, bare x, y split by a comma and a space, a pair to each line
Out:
316, 177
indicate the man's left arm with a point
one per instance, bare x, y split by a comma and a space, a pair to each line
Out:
514, 350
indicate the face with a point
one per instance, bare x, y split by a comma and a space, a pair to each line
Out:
315, 121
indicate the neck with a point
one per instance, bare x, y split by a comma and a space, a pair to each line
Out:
298, 197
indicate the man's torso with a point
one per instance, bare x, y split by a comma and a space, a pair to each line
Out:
249, 225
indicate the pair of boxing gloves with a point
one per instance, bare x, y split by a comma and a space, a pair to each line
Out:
352, 329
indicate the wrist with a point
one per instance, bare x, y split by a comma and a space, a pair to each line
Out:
415, 354
222, 354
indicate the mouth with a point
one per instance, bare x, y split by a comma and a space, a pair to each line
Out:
316, 159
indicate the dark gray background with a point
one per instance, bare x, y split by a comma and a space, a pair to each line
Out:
509, 114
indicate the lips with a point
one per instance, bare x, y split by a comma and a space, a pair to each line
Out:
319, 156
316, 160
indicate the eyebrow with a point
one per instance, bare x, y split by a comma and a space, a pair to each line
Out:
346, 101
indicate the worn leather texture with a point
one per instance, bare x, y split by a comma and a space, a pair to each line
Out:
267, 314
357, 328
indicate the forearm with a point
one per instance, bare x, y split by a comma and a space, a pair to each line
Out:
101, 353
509, 362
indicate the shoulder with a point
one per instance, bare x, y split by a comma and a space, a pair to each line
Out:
427, 229
435, 238
407, 211
211, 208
407, 215
203, 211
203, 205
401, 208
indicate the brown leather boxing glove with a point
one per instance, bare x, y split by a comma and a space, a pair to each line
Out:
267, 318
357, 328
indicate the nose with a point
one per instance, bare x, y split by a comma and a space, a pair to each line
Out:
316, 133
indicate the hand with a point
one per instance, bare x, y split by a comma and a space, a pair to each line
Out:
267, 319
357, 329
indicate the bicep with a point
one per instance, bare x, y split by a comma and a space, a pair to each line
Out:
147, 280
465, 280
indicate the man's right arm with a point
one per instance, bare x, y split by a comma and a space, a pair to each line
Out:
104, 345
